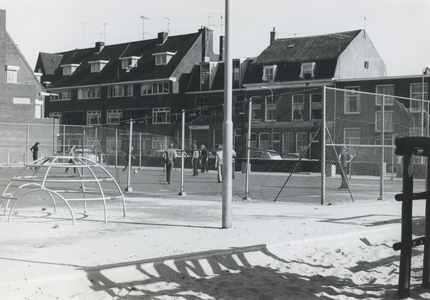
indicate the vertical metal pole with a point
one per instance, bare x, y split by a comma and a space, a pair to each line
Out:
140, 150
406, 238
381, 178
227, 185
182, 192
27, 144
129, 188
248, 151
116, 148
323, 139
64, 140
96, 141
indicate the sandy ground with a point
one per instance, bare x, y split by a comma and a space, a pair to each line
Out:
173, 249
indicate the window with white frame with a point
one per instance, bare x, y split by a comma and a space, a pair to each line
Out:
56, 115
94, 117
12, 74
388, 91
97, 65
69, 69
264, 140
307, 70
316, 106
301, 142
298, 107
154, 88
116, 91
89, 93
114, 116
270, 114
352, 100
417, 92
61, 95
269, 73
163, 58
388, 121
161, 115
288, 143
129, 62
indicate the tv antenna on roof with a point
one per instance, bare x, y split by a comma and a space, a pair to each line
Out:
143, 25
104, 32
83, 37
364, 26
168, 24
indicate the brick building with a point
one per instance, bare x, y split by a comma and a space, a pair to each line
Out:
21, 103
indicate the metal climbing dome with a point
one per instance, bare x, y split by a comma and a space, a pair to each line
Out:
65, 178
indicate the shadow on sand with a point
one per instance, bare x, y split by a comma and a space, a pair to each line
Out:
246, 273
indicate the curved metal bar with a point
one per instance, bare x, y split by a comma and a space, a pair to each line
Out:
101, 192
46, 190
118, 187
18, 188
48, 164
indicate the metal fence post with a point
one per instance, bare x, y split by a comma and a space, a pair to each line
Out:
64, 140
248, 151
27, 144
129, 188
323, 150
182, 192
381, 179
140, 149
116, 148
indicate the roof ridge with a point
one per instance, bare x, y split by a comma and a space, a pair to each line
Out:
320, 35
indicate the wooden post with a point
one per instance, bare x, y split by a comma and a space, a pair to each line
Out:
406, 248
426, 261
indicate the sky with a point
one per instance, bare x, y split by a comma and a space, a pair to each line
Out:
399, 29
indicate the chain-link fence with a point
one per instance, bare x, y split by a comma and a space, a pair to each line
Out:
360, 141
282, 151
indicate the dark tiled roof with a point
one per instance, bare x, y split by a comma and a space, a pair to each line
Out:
50, 62
309, 48
112, 72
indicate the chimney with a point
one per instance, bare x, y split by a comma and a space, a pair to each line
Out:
162, 37
207, 44
273, 36
99, 46
221, 47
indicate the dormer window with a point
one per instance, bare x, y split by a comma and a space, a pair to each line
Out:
307, 70
129, 62
269, 73
69, 69
163, 58
97, 65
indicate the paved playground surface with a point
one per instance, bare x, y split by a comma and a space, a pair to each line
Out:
175, 248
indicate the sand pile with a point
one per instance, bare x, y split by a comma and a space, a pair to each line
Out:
359, 269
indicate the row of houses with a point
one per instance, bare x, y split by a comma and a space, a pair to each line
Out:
153, 80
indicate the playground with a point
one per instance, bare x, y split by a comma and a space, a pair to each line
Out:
173, 247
